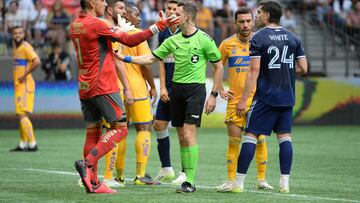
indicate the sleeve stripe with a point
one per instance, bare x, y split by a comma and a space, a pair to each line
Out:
215, 61
303, 56
156, 56
255, 56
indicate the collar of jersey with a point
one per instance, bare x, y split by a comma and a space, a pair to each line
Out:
274, 27
188, 36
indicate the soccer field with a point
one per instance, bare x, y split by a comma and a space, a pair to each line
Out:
325, 169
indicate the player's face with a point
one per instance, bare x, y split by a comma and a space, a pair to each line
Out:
18, 35
182, 15
261, 17
244, 24
119, 8
170, 9
100, 6
134, 17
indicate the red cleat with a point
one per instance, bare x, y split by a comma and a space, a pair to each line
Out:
102, 189
85, 174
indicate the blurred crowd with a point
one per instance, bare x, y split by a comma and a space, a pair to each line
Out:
47, 23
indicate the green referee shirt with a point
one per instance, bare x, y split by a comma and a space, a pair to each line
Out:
191, 53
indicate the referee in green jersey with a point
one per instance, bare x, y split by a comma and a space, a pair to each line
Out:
192, 49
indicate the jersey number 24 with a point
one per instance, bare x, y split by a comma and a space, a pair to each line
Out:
274, 63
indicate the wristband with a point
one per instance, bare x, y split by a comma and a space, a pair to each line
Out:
127, 59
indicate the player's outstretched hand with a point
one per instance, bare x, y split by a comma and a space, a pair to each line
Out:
123, 25
163, 23
227, 95
210, 105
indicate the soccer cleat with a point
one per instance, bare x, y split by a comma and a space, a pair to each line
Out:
230, 187
186, 187
85, 174
111, 183
284, 184
121, 181
225, 187
33, 149
262, 184
180, 179
146, 180
165, 175
101, 188
19, 149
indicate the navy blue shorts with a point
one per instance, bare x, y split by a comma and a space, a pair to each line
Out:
262, 119
163, 111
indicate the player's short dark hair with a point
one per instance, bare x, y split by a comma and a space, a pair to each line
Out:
16, 27
189, 7
274, 9
242, 10
171, 2
111, 3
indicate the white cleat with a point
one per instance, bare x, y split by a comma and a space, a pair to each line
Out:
180, 179
262, 184
165, 175
284, 190
111, 183
225, 187
284, 184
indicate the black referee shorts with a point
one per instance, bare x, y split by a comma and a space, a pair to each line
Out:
187, 103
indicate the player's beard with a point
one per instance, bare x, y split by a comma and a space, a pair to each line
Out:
18, 42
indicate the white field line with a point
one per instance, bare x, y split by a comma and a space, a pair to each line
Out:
211, 187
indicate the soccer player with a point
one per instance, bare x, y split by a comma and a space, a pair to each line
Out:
235, 51
162, 117
98, 87
191, 48
274, 53
140, 112
25, 62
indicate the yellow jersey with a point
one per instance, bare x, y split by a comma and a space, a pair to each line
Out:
236, 55
135, 76
23, 57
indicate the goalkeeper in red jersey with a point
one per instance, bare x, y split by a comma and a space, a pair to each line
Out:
98, 87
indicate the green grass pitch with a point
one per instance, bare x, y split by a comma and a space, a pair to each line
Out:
326, 168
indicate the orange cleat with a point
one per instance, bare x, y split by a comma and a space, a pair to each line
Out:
102, 189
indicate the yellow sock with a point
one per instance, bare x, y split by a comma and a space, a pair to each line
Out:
142, 148
27, 129
232, 154
261, 157
23, 138
120, 159
110, 159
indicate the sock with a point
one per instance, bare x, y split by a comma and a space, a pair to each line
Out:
23, 138
106, 143
189, 159
27, 130
239, 180
142, 148
164, 147
261, 157
246, 154
120, 160
285, 155
110, 159
232, 154
92, 137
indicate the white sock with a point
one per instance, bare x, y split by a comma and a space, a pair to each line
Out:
32, 144
168, 168
239, 180
284, 181
22, 144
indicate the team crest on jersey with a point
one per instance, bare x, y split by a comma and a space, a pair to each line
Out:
194, 58
233, 51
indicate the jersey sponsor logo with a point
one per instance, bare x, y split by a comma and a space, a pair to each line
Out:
20, 62
194, 58
234, 50
238, 61
169, 59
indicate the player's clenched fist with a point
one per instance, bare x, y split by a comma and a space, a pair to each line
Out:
163, 23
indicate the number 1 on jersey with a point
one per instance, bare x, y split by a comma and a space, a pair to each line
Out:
79, 50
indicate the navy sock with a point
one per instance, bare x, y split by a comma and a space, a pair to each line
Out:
164, 151
245, 157
285, 157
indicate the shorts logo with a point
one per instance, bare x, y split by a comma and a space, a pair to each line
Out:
194, 58
195, 116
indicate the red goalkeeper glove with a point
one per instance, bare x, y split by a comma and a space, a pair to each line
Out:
163, 23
